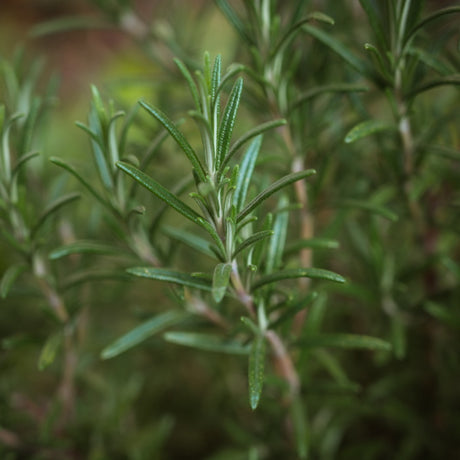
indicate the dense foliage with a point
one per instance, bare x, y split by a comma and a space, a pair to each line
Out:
258, 259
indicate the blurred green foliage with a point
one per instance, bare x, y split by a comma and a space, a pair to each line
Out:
369, 92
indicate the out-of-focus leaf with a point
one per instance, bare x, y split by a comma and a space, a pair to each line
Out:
207, 342
366, 128
171, 276
53, 208
370, 207
189, 239
300, 424
220, 280
256, 370
344, 341
178, 137
142, 332
191, 83
443, 314
450, 80
82, 247
314, 273
9, 277
233, 18
65, 24
273, 188
84, 182
276, 244
49, 351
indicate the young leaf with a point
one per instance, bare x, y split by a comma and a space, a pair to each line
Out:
366, 128
142, 332
314, 273
220, 280
207, 342
160, 191
245, 173
9, 277
178, 137
344, 341
256, 370
228, 122
49, 351
171, 276
279, 184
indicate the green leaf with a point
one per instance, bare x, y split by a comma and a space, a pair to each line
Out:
314, 243
273, 188
84, 182
300, 424
314, 273
220, 280
49, 351
160, 191
178, 137
22, 161
9, 277
338, 47
297, 27
228, 121
189, 239
437, 14
245, 173
252, 240
191, 83
52, 209
233, 18
324, 89
276, 244
207, 342
450, 80
344, 341
366, 128
256, 370
172, 276
370, 207
259, 129
294, 307
65, 24
142, 332
82, 247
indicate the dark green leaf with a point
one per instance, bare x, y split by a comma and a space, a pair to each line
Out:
65, 24
366, 128
207, 342
220, 280
314, 273
233, 18
160, 191
276, 244
142, 332
9, 277
345, 341
370, 207
178, 137
299, 421
338, 47
450, 80
171, 276
53, 208
256, 370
